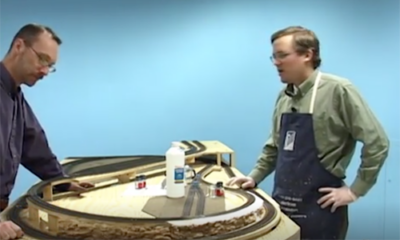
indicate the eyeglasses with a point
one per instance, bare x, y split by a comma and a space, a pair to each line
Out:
279, 56
43, 60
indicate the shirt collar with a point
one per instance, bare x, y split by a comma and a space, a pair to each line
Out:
7, 80
304, 87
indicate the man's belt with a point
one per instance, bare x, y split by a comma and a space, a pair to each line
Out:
3, 204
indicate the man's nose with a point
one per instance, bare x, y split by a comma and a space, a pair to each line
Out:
274, 61
45, 71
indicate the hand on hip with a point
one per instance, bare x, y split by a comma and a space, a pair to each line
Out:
336, 197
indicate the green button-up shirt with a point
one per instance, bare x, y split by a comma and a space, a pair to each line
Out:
341, 118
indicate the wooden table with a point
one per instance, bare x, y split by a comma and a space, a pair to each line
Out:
114, 200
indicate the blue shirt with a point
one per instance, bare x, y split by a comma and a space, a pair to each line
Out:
22, 139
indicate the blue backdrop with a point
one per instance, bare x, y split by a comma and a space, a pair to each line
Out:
135, 75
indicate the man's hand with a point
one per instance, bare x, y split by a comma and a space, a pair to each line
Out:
8, 231
336, 197
243, 182
80, 187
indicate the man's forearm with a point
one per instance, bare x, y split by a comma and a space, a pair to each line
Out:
37, 156
373, 158
266, 162
44, 166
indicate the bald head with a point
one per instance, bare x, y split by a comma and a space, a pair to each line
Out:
29, 33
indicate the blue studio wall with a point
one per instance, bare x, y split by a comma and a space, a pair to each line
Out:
135, 75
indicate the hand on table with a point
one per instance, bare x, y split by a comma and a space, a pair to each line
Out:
336, 197
80, 187
243, 182
8, 231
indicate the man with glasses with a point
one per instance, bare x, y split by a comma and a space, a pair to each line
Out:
32, 55
318, 119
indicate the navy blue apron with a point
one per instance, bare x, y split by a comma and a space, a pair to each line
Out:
299, 174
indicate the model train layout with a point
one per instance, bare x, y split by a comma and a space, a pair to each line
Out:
128, 201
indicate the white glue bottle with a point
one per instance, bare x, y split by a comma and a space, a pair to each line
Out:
175, 164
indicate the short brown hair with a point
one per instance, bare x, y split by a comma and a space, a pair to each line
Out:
29, 32
304, 40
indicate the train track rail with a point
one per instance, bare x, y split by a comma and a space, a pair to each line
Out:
187, 207
195, 190
71, 169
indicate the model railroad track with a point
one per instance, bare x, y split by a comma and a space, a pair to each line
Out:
201, 203
195, 148
188, 206
194, 190
72, 169
90, 166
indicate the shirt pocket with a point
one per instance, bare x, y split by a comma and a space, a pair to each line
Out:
321, 130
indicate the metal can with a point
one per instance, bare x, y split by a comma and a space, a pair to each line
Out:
137, 182
219, 189
144, 183
140, 183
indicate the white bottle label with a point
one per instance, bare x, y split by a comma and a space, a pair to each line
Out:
179, 174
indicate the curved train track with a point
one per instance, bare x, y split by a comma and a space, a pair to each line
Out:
83, 166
